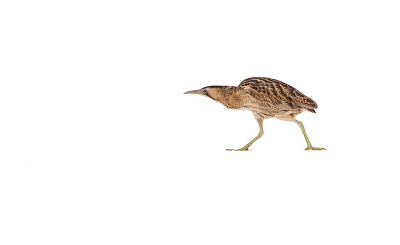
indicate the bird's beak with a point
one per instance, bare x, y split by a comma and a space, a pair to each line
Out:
193, 92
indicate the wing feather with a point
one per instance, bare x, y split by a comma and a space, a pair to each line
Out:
277, 94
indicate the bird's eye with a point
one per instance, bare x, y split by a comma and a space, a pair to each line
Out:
205, 91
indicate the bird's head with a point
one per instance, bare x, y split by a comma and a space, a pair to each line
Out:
213, 92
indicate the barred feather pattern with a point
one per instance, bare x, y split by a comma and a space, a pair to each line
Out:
270, 97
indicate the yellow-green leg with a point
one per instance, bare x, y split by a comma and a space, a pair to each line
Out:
309, 146
246, 147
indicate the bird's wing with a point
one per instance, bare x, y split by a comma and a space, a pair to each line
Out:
277, 94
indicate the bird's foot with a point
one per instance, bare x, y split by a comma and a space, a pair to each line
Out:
241, 149
314, 148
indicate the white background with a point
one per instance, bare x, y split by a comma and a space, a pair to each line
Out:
98, 144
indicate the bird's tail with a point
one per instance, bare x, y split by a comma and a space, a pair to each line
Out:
312, 110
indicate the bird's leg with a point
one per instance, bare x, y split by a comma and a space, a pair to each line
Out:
246, 147
309, 146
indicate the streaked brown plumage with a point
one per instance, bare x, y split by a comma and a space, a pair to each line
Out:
265, 98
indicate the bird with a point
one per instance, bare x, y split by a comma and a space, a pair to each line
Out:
265, 98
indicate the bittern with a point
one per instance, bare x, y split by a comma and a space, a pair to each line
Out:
265, 98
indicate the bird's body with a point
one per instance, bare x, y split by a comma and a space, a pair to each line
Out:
265, 98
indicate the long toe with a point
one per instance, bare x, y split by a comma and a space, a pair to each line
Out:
315, 148
238, 149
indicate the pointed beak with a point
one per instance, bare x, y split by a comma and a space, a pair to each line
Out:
193, 92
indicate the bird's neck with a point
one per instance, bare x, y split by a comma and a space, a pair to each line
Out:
230, 97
